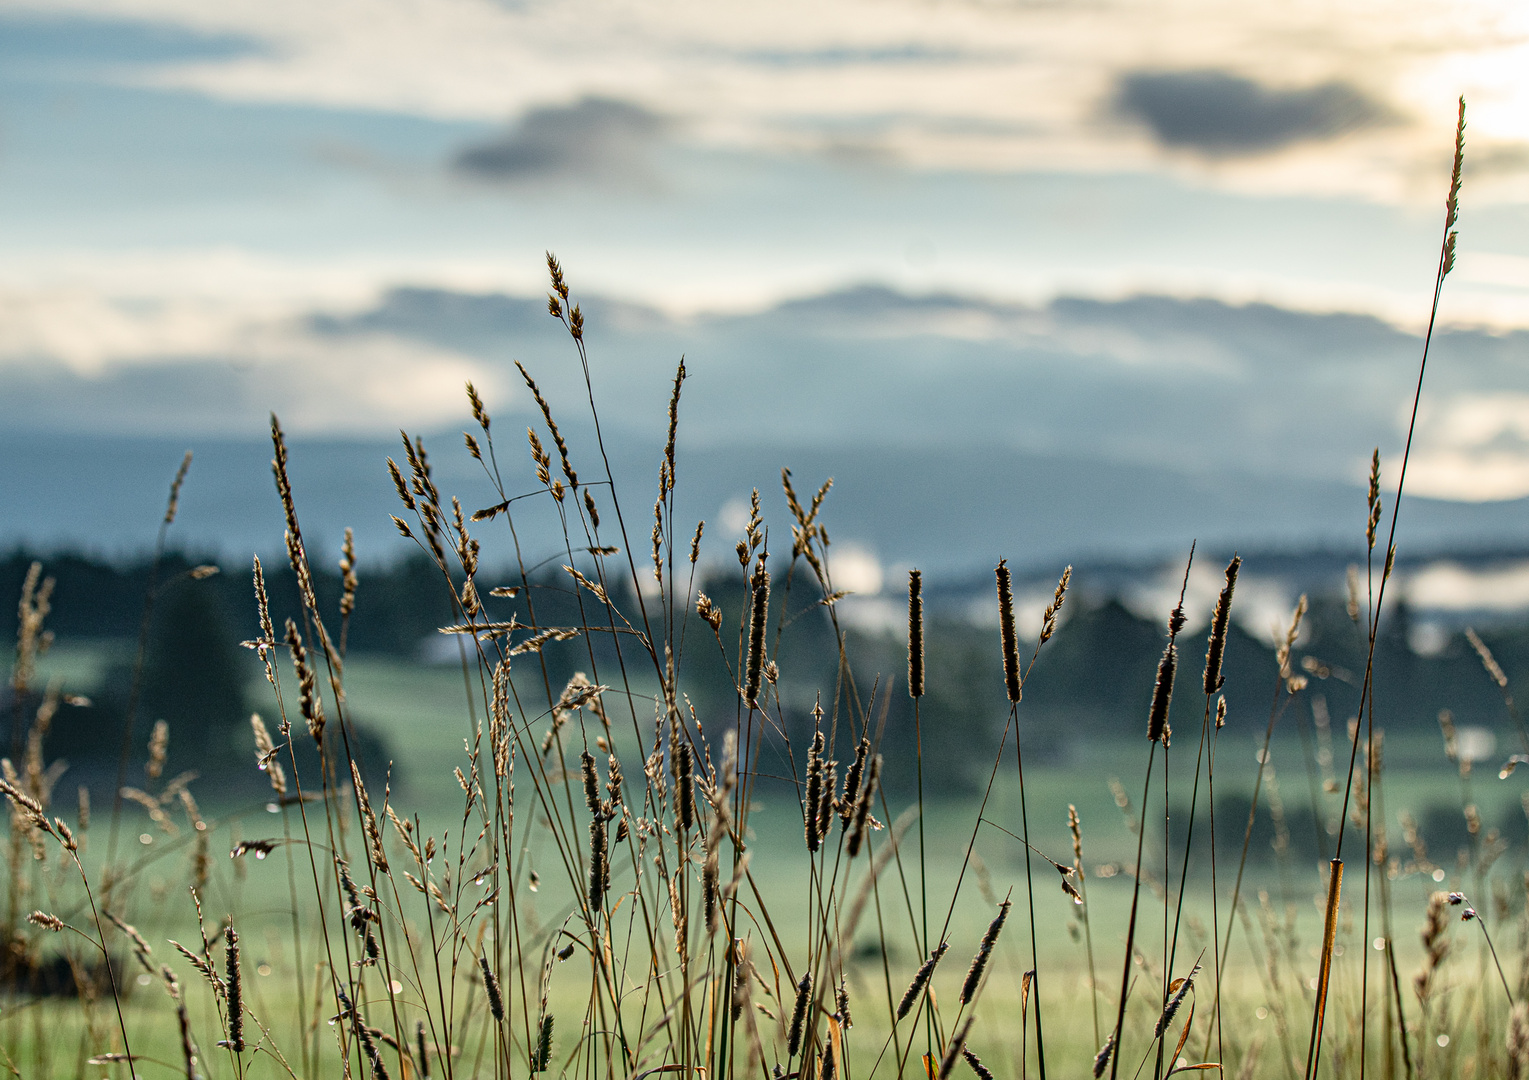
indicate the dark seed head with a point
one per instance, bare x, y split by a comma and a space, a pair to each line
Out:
1218, 627
1007, 633
1162, 696
915, 634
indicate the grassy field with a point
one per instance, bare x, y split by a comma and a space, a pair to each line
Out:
587, 877
423, 711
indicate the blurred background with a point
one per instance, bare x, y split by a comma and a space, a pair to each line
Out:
1057, 282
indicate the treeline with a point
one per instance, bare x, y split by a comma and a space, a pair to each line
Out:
1094, 678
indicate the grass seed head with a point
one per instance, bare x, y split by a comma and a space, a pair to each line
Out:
861, 817
920, 981
1162, 697
982, 1071
235, 984
915, 634
542, 1056
1219, 623
984, 953
1007, 633
814, 791
852, 781
491, 988
799, 1015
758, 620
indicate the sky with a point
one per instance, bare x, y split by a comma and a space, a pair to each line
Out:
212, 210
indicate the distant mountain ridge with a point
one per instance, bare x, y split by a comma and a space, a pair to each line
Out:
952, 512
958, 429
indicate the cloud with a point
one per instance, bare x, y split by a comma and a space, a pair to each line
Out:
1211, 387
1473, 447
72, 360
981, 87
596, 138
1221, 114
1450, 586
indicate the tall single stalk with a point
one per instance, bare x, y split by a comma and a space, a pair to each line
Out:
1157, 732
135, 689
1367, 689
916, 691
1013, 685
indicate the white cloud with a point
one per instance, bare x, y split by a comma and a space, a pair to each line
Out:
1473, 447
1492, 268
734, 517
1029, 611
91, 346
1449, 586
873, 614
1260, 605
1471, 476
966, 85
854, 569
361, 383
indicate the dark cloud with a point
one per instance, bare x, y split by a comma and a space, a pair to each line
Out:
595, 138
1221, 114
1500, 159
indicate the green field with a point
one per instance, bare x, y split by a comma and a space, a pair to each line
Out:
423, 712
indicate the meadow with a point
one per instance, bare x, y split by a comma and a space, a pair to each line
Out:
589, 872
